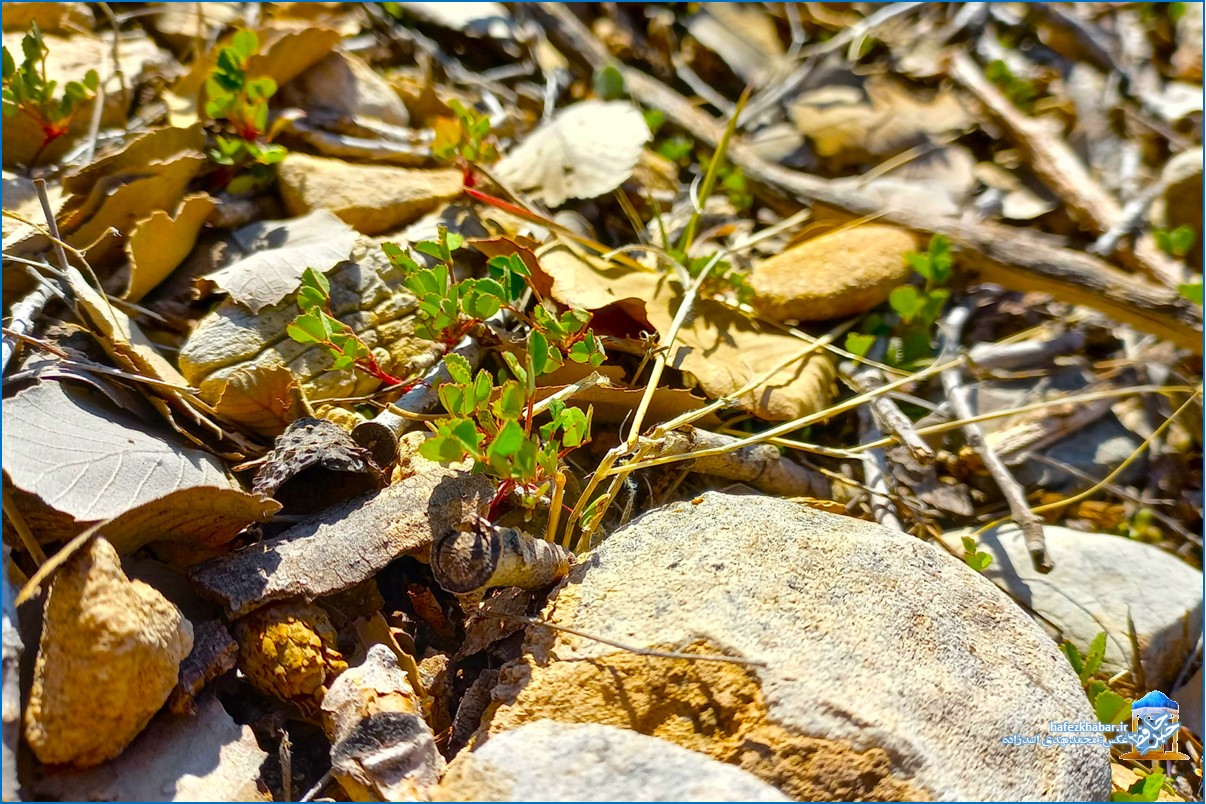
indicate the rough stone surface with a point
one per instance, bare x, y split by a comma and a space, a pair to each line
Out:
551, 761
108, 659
891, 670
1097, 579
345, 88
370, 198
834, 275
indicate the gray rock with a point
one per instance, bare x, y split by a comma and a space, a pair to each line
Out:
1097, 579
888, 670
551, 761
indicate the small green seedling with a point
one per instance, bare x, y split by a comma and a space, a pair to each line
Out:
1176, 242
917, 308
27, 91
973, 557
1021, 93
1109, 706
317, 325
238, 105
1192, 292
465, 138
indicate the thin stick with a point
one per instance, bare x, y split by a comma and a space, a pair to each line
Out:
27, 538
24, 315
322, 782
952, 382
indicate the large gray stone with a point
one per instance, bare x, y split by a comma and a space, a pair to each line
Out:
1097, 580
551, 761
888, 670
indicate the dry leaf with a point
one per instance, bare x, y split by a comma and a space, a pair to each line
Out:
343, 88
156, 145
279, 252
371, 198
108, 658
178, 23
115, 203
284, 55
720, 347
49, 16
158, 244
263, 399
743, 35
92, 462
848, 125
588, 149
198, 516
205, 757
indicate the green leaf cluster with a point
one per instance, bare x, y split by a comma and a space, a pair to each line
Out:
492, 425
917, 308
27, 91
240, 103
316, 325
466, 136
975, 558
1109, 706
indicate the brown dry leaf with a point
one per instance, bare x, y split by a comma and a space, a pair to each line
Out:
81, 457
263, 399
279, 252
156, 145
204, 757
848, 125
108, 658
284, 55
116, 203
49, 16
615, 405
371, 198
159, 243
722, 348
586, 150
198, 516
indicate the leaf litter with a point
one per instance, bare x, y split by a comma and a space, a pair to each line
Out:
574, 269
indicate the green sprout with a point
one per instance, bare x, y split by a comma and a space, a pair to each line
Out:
1175, 242
238, 105
27, 91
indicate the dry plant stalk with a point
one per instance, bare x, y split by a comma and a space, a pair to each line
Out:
1030, 523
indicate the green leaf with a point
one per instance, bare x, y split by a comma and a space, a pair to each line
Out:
1191, 292
1074, 658
513, 363
458, 368
1110, 707
538, 351
1094, 656
316, 280
1146, 789
859, 344
10, 66
508, 441
430, 249
511, 401
245, 43
608, 83
588, 350
1180, 240
466, 432
312, 327
260, 89
91, 80
906, 300
453, 241
442, 449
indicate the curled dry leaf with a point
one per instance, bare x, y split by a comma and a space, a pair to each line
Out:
159, 243
722, 348
744, 36
86, 459
279, 252
371, 198
588, 149
201, 757
263, 399
198, 517
108, 658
